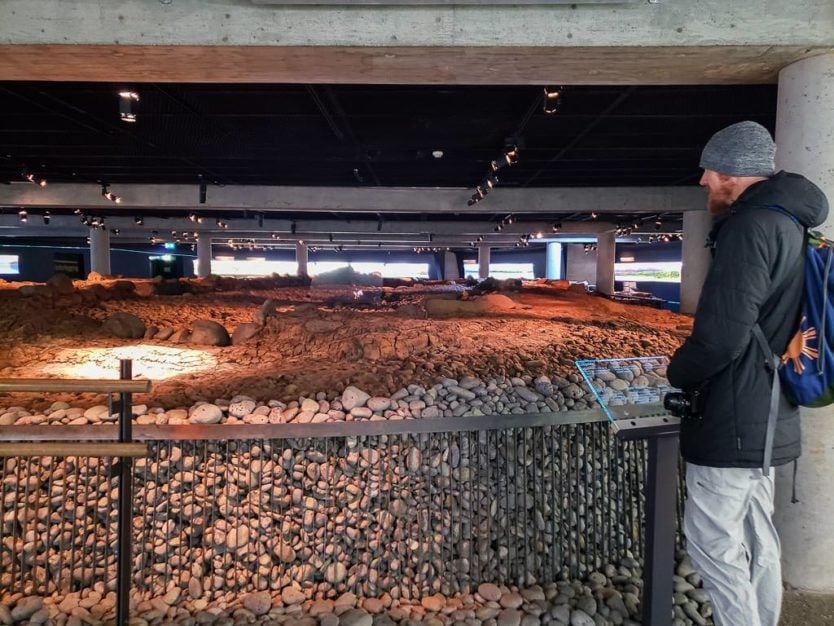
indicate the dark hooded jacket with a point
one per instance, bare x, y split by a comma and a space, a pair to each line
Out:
755, 276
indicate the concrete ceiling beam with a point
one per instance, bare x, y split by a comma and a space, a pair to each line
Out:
428, 201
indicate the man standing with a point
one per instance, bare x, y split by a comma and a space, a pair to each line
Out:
755, 278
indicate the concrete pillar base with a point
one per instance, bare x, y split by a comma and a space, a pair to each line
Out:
696, 258
606, 249
805, 144
100, 251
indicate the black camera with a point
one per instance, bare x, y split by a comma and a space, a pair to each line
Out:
684, 404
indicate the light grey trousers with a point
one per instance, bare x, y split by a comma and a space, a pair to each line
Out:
733, 544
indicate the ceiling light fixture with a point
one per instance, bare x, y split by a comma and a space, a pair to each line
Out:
551, 100
23, 215
109, 195
46, 217
126, 100
40, 182
437, 154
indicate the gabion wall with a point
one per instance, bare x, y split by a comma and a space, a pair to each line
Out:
406, 514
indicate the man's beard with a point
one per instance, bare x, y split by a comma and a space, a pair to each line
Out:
718, 203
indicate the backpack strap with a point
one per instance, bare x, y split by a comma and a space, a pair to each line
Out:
772, 365
772, 362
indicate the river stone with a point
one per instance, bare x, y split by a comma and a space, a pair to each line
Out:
431, 412
237, 537
286, 553
335, 573
291, 595
195, 589
587, 604
511, 600
373, 605
241, 408
509, 617
209, 333
355, 617
699, 595
347, 599
434, 603
259, 603
321, 608
124, 325
528, 395
5, 615
26, 607
489, 592
353, 397
244, 332
206, 414
580, 618
379, 404
618, 384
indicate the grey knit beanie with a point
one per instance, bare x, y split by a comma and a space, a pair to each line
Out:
743, 149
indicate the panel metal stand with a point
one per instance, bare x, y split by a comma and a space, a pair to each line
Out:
662, 437
123, 577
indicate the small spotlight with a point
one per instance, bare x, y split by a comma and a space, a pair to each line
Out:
557, 227
77, 211
275, 235
23, 215
46, 217
539, 235
511, 156
552, 97
115, 231
192, 217
126, 100
109, 195
42, 182
139, 220
594, 215
437, 154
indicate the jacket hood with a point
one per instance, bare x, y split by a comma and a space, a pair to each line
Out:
792, 192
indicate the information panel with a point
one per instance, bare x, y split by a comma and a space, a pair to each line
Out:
627, 381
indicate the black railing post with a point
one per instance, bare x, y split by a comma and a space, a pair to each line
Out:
661, 522
125, 500
662, 435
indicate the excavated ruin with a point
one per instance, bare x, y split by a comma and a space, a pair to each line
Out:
501, 527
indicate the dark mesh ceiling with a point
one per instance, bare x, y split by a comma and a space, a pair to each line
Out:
348, 135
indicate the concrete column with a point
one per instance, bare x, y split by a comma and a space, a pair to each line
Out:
100, 251
606, 247
483, 261
450, 265
554, 261
203, 255
301, 257
696, 258
805, 144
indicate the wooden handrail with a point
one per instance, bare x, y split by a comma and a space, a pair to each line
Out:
47, 385
75, 448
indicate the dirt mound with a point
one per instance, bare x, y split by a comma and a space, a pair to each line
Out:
311, 341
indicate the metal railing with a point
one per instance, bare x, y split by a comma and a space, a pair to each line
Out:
407, 507
40, 547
